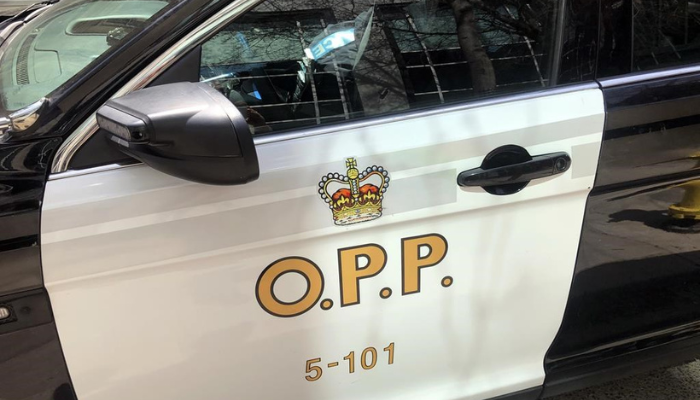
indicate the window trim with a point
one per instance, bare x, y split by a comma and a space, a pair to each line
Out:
89, 127
643, 76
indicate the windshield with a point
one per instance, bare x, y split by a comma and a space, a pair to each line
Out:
61, 42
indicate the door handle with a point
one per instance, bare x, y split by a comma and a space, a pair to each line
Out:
509, 169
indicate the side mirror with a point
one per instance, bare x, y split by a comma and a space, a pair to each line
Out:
188, 130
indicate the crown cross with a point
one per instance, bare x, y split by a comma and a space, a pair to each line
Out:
357, 196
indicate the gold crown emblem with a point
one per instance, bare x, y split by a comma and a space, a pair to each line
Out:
357, 196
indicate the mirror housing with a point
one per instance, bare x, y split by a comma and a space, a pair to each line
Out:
188, 130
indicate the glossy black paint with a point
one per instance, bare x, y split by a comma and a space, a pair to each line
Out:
527, 394
98, 151
32, 365
23, 169
510, 168
31, 359
637, 279
188, 130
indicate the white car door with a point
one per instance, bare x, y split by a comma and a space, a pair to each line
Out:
355, 267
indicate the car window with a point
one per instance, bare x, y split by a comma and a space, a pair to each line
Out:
666, 33
644, 35
296, 63
62, 41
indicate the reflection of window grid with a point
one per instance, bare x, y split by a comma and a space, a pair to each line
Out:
301, 21
532, 51
431, 60
312, 81
395, 13
426, 53
339, 79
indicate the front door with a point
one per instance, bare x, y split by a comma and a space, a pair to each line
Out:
356, 266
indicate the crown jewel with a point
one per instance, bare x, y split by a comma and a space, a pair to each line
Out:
357, 196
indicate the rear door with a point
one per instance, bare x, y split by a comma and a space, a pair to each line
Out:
355, 266
639, 247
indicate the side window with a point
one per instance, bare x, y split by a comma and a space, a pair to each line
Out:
296, 63
643, 35
666, 33
579, 35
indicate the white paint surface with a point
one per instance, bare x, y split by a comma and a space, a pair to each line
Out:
152, 279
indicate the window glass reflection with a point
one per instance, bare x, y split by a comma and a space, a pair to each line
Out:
293, 63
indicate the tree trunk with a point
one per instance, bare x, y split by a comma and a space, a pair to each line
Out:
483, 75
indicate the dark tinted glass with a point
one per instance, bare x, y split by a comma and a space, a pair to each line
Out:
294, 63
666, 33
642, 35
579, 36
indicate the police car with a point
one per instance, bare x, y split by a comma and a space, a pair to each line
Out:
346, 199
